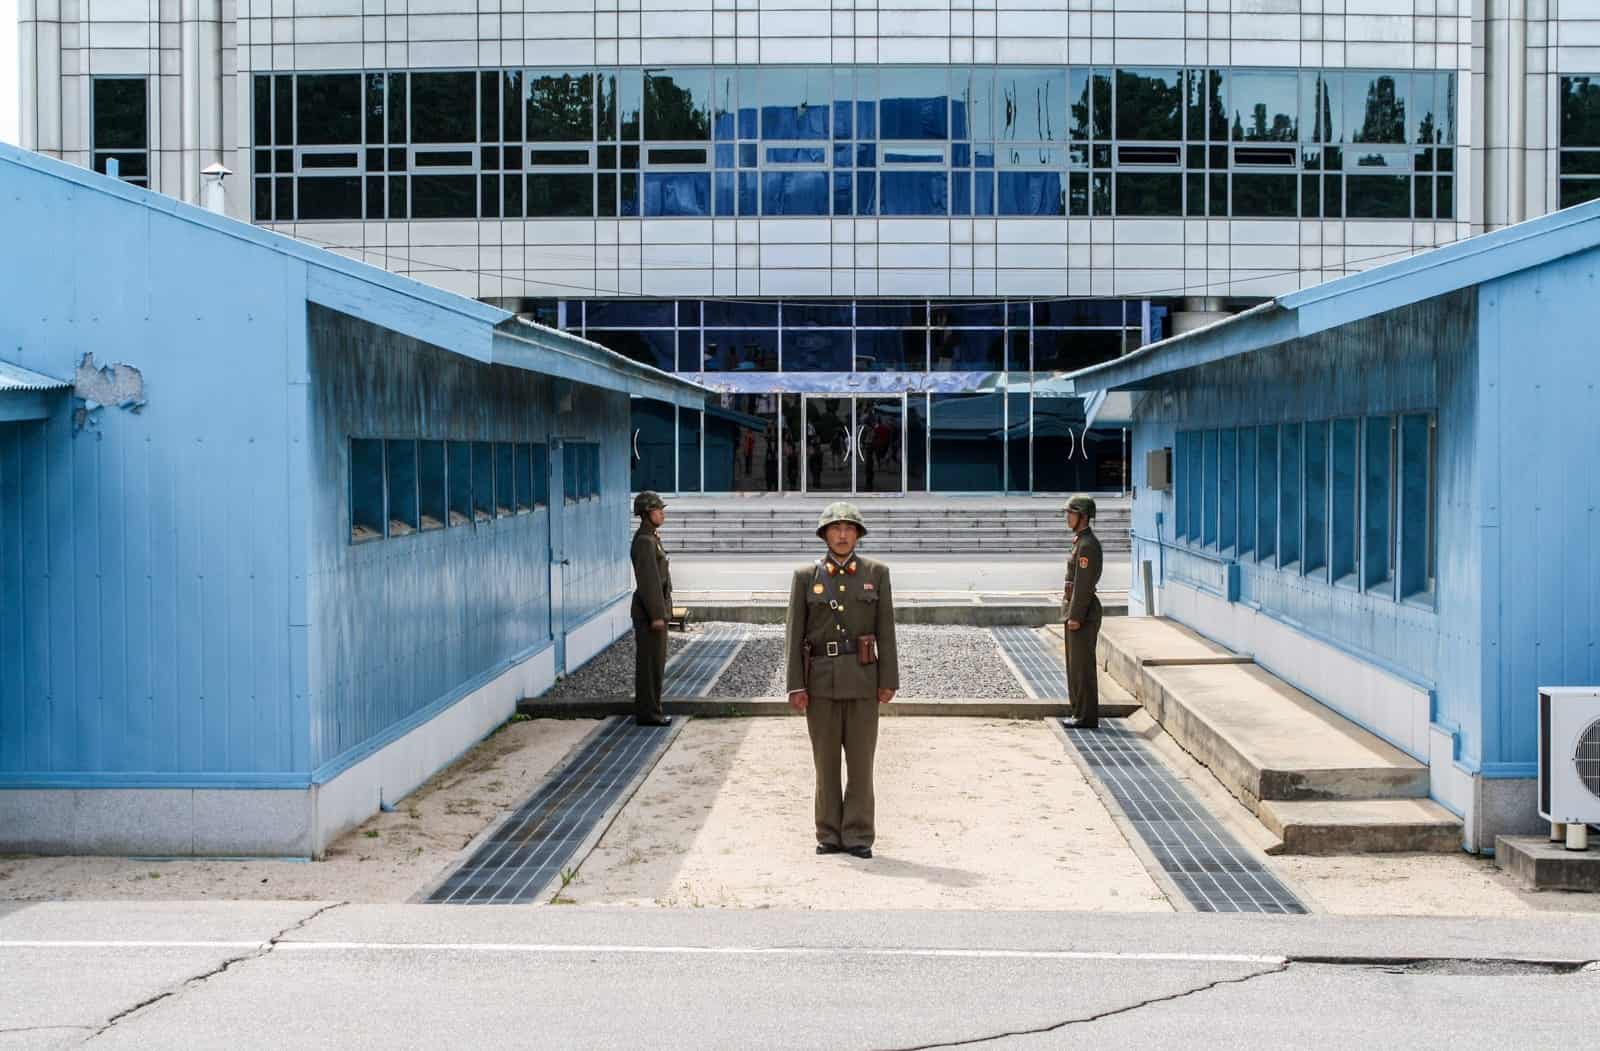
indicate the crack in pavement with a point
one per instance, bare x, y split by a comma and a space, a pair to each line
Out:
1040, 1030
263, 950
41, 1028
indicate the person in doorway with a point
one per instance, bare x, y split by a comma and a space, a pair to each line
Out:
841, 665
1083, 614
652, 604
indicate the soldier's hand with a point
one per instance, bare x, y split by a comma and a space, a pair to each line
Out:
658, 625
885, 696
1073, 625
799, 700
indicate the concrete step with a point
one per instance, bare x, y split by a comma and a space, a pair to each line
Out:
1265, 740
1129, 645
1364, 826
1542, 865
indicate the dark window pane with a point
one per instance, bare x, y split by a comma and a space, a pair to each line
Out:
1264, 106
794, 193
690, 427
488, 107
720, 313
816, 349
552, 195
1060, 445
914, 104
433, 496
262, 112
741, 350
842, 200
504, 483
129, 165
263, 201
1149, 104
656, 348
283, 200
891, 350
443, 108
489, 196
397, 197
401, 483
560, 107
866, 193
677, 105
816, 315
1264, 195
874, 314
1143, 193
1375, 106
513, 190
629, 313
366, 489
1066, 351
330, 198
1031, 193
328, 109
968, 451
967, 350
459, 468
677, 193
628, 194
652, 425
482, 481
443, 196
511, 108
967, 315
689, 359
1078, 312
914, 193
121, 120
1379, 196
1580, 111
283, 110
1315, 552
395, 105
1577, 191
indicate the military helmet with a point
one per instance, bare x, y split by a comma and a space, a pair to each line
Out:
647, 501
1084, 505
840, 511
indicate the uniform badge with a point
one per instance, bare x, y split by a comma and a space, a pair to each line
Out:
1083, 562
816, 589
851, 569
867, 586
829, 566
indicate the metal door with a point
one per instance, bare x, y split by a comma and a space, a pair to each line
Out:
854, 443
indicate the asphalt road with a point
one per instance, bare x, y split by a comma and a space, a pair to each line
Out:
305, 975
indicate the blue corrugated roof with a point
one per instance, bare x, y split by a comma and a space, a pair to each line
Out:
17, 378
1414, 279
453, 322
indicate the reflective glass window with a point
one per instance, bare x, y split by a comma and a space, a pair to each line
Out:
972, 103
677, 105
1580, 111
690, 430
552, 195
1149, 104
913, 193
1031, 193
328, 109
1266, 493
1378, 196
1264, 106
1149, 193
560, 107
332, 198
967, 315
742, 444
629, 313
443, 196
121, 113
1289, 476
1377, 502
1078, 312
652, 425
1032, 104
1247, 490
816, 349
1415, 513
1344, 513
677, 193
655, 348
1268, 196
965, 453
794, 193
1314, 557
891, 350
444, 107
816, 315
1070, 350
913, 103
795, 103
741, 350
1375, 106
967, 350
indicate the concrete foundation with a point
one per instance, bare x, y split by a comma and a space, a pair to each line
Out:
1542, 865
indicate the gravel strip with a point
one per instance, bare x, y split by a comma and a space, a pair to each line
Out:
610, 672
935, 662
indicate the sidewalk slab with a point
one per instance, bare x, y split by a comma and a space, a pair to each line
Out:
1128, 645
737, 707
1265, 740
1543, 865
1365, 826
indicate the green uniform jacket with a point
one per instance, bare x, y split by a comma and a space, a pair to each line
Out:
1083, 574
868, 610
652, 575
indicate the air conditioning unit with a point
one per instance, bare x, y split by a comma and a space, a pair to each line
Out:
1569, 760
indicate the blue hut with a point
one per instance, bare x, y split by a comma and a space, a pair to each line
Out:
281, 533
1385, 490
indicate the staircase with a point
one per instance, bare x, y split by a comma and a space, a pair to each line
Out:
787, 526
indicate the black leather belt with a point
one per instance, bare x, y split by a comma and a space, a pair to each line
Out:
838, 649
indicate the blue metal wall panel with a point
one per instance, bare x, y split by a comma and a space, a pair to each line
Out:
1540, 518
148, 550
1422, 357
401, 624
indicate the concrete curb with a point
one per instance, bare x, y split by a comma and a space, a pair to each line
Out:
739, 707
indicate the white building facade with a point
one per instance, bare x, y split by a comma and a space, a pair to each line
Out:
877, 226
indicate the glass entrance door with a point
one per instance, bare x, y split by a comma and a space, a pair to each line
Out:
854, 444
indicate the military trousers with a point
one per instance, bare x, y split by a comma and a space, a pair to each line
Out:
1083, 676
649, 669
845, 814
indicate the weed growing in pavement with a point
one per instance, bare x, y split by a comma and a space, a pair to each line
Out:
372, 833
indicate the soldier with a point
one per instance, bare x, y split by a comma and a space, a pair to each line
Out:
1083, 615
842, 664
652, 603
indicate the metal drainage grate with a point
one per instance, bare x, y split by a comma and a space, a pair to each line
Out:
697, 665
531, 847
1041, 667
1214, 871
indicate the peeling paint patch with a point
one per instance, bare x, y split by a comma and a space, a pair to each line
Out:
96, 386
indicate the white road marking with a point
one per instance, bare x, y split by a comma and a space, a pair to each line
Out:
535, 949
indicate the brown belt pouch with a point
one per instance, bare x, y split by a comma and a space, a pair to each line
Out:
867, 649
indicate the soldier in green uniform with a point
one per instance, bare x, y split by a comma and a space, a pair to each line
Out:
842, 663
1083, 615
652, 604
